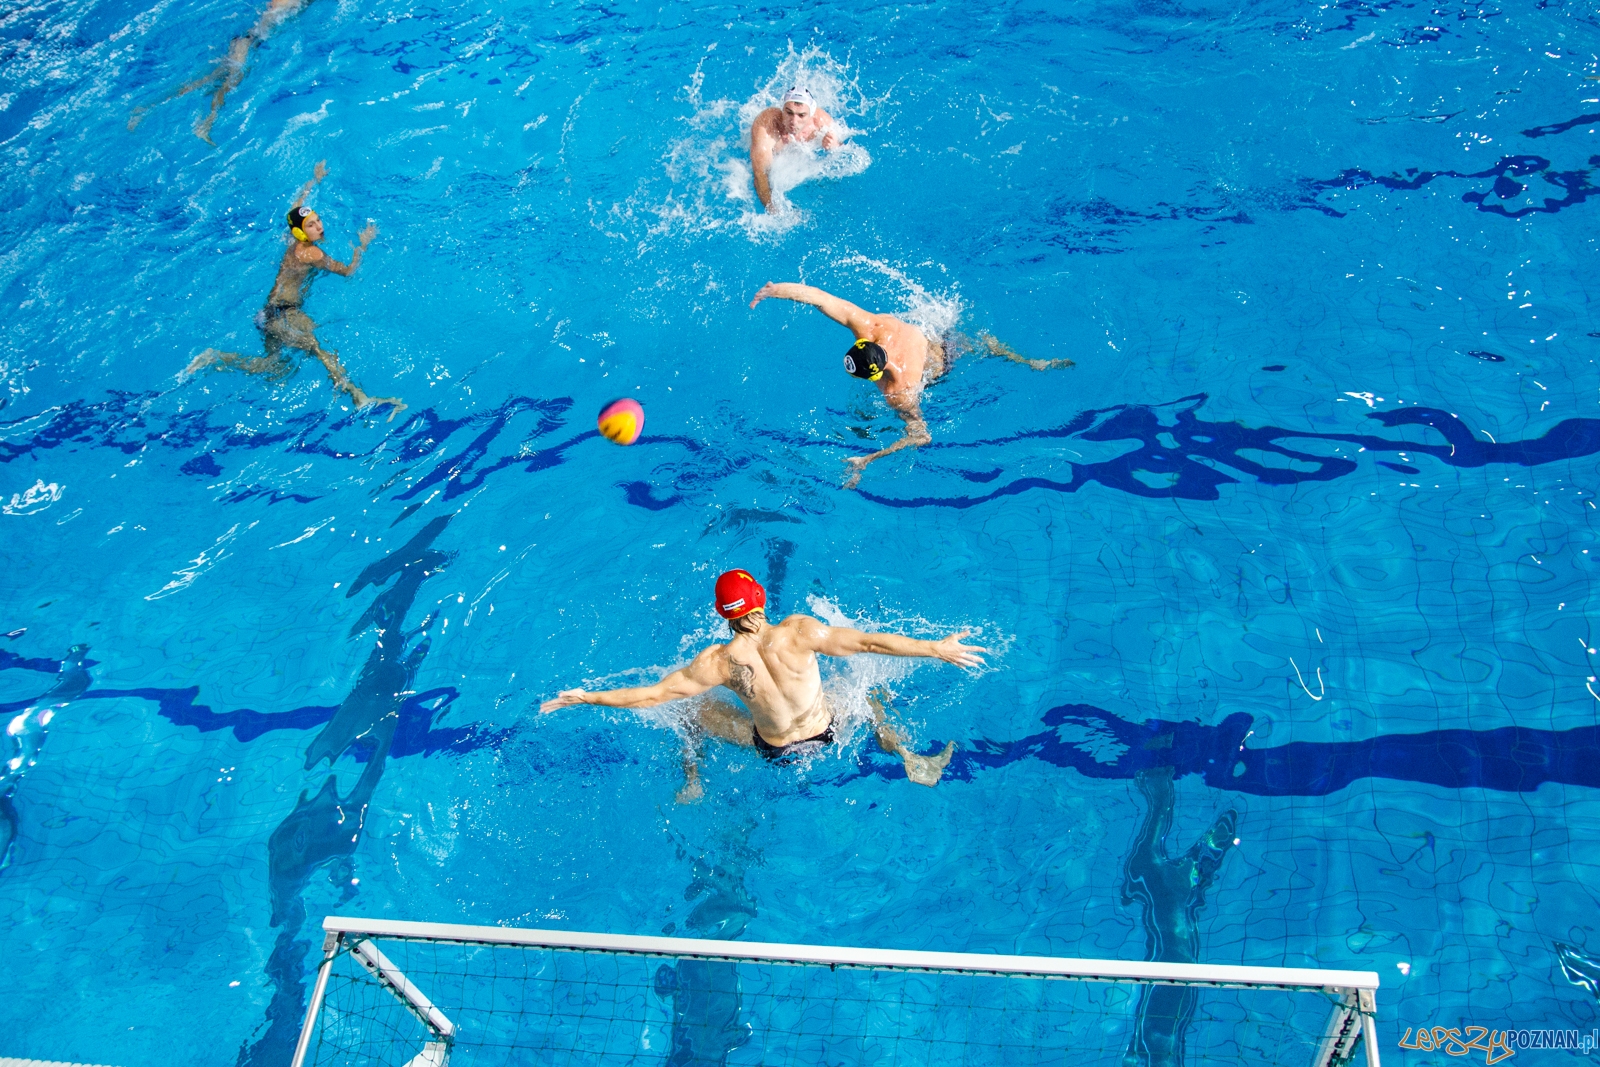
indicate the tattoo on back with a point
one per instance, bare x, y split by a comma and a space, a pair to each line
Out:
742, 679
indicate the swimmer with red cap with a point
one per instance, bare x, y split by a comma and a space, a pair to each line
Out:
773, 669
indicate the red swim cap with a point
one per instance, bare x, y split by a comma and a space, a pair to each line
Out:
738, 594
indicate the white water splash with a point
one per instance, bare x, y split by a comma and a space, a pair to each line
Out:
34, 499
709, 167
184, 577
935, 314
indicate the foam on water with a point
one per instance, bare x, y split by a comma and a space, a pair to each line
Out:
713, 160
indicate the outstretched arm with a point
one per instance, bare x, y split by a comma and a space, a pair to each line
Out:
843, 312
319, 172
844, 641
708, 669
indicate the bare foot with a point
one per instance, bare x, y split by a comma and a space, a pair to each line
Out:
201, 362
395, 403
999, 348
927, 770
137, 117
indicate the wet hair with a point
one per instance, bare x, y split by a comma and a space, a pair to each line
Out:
746, 624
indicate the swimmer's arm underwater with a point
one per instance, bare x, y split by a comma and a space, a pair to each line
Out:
843, 312
844, 641
707, 670
916, 436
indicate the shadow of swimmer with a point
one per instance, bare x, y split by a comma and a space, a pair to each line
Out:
706, 998
27, 725
324, 828
1170, 892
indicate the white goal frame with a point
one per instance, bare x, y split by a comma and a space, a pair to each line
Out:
1351, 1021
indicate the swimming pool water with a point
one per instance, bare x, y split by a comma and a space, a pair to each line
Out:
1310, 523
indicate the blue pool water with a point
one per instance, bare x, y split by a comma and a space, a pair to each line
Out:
1288, 579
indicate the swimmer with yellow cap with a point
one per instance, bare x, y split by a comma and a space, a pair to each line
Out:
893, 355
796, 120
282, 322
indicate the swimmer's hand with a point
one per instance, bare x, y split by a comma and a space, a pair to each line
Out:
770, 289
857, 464
564, 699
830, 139
368, 234
320, 171
951, 650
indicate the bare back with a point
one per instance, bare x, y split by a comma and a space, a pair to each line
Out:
775, 673
908, 350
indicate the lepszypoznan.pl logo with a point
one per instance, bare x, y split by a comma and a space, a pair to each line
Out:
1496, 1045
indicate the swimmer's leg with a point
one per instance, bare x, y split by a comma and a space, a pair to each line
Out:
295, 329
725, 722
272, 365
939, 360
993, 346
924, 770
232, 71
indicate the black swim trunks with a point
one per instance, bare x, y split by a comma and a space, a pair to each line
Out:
793, 749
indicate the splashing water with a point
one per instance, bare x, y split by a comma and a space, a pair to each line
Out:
935, 314
714, 158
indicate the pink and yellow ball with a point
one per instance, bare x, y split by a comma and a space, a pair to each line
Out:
622, 421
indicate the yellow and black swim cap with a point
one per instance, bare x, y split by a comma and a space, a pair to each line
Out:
296, 216
866, 359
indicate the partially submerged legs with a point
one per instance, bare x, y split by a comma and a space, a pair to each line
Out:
731, 723
719, 719
291, 328
993, 346
924, 770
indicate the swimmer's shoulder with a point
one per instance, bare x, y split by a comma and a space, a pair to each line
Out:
766, 122
306, 252
802, 628
712, 653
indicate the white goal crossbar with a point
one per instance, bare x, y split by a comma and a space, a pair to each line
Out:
1350, 1022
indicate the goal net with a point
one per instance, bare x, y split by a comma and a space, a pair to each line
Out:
430, 995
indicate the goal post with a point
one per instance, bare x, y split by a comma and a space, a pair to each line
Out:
418, 994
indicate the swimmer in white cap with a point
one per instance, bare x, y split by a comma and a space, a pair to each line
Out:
798, 120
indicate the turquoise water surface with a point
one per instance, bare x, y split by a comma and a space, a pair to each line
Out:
1287, 580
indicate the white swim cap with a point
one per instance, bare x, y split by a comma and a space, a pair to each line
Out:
799, 94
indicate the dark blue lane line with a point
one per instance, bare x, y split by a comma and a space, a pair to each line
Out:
1561, 127
1098, 744
1505, 172
1203, 445
1189, 471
